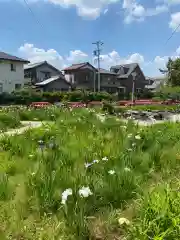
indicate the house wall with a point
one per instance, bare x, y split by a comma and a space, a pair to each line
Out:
9, 78
58, 85
81, 79
38, 75
69, 78
140, 81
45, 68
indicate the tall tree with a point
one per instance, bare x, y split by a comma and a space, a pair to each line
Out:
173, 72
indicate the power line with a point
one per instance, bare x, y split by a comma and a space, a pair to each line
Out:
173, 33
32, 13
97, 53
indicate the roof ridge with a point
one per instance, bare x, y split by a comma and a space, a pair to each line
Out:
7, 56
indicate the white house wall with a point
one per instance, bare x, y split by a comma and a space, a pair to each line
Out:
9, 78
69, 78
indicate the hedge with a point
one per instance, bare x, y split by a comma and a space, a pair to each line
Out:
27, 97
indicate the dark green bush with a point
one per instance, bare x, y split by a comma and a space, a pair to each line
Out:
28, 96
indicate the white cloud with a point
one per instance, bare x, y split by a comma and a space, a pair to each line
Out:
171, 2
175, 20
77, 56
85, 8
150, 68
37, 54
113, 58
34, 54
137, 12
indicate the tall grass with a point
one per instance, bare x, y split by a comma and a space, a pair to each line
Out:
102, 163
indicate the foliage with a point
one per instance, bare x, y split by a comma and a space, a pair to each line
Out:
8, 121
158, 107
108, 107
173, 72
27, 96
104, 162
168, 92
158, 214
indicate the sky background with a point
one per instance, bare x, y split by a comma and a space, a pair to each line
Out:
62, 31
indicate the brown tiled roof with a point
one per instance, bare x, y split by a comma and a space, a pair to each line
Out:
6, 56
75, 66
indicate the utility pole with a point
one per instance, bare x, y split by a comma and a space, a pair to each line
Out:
133, 86
97, 53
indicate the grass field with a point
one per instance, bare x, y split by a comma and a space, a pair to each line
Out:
89, 176
7, 121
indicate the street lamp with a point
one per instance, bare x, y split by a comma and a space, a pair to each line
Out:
133, 85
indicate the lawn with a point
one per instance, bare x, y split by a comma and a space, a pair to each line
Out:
89, 176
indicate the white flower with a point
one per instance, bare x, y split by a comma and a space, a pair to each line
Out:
87, 165
134, 144
111, 172
129, 149
137, 137
130, 118
85, 192
124, 127
101, 117
105, 159
123, 221
126, 169
65, 195
31, 155
95, 161
129, 135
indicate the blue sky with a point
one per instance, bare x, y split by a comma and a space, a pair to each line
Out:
62, 31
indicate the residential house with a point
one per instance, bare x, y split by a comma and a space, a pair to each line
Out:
81, 76
54, 84
38, 72
11, 72
109, 82
118, 80
155, 84
85, 76
124, 75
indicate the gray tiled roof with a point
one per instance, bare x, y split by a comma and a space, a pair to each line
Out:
49, 80
129, 67
33, 65
6, 56
156, 84
104, 71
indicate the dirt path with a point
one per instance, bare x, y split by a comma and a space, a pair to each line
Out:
26, 126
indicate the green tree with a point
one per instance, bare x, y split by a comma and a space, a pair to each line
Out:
173, 72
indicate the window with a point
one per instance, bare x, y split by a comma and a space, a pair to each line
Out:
27, 74
122, 90
17, 86
138, 90
47, 75
13, 67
